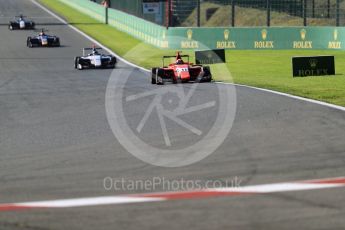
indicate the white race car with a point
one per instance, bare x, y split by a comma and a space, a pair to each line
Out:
94, 60
21, 23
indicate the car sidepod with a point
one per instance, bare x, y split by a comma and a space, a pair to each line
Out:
53, 41
29, 25
108, 61
200, 74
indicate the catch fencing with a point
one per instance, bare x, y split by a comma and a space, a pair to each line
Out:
227, 37
236, 13
239, 13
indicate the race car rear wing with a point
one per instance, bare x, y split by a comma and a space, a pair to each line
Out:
95, 48
174, 56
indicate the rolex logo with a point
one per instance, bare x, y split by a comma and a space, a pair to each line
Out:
335, 34
313, 63
190, 34
303, 34
264, 34
226, 34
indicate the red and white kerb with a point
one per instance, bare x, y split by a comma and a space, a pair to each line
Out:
178, 195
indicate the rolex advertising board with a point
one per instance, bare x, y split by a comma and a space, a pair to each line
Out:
210, 56
313, 66
305, 38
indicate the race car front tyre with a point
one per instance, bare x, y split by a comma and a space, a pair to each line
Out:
77, 64
114, 61
29, 43
153, 75
10, 27
76, 61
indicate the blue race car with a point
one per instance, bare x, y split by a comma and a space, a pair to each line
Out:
43, 40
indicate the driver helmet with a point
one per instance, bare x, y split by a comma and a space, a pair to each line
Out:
179, 61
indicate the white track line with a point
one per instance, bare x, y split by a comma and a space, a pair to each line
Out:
290, 96
180, 195
341, 108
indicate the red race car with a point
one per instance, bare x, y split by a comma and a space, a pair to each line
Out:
180, 71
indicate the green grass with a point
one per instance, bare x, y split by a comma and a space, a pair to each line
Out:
272, 70
260, 68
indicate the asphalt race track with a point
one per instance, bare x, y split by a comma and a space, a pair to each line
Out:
56, 143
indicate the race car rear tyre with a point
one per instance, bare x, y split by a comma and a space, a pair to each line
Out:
10, 27
207, 74
80, 67
114, 62
160, 74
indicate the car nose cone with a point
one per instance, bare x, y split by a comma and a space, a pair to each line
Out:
184, 75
